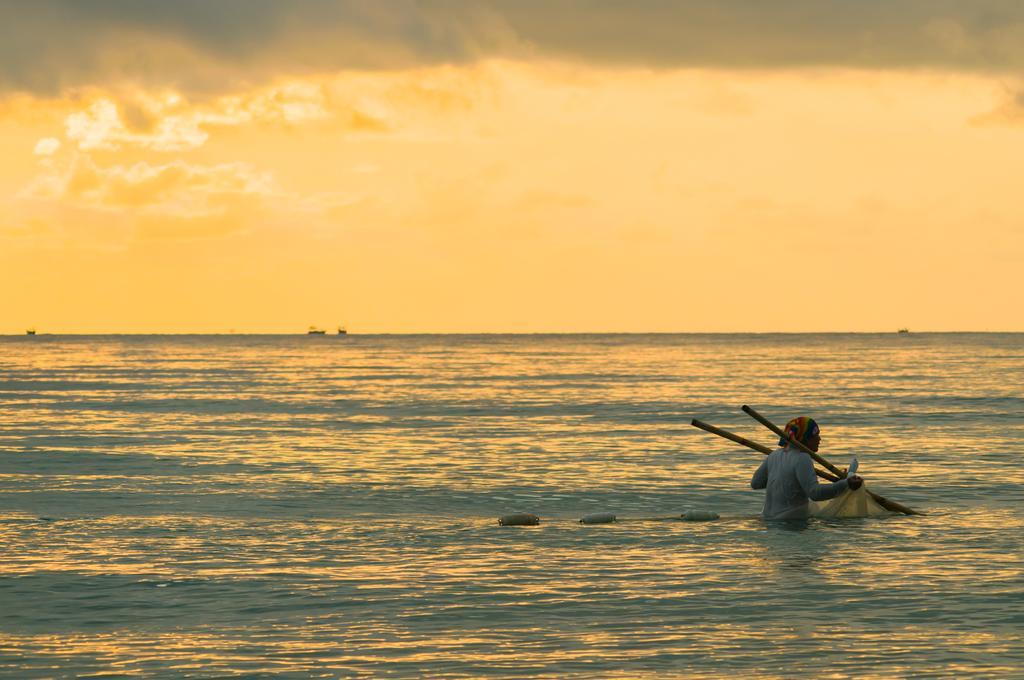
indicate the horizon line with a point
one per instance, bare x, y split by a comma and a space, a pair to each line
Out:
417, 333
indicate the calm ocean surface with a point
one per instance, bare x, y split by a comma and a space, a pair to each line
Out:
326, 506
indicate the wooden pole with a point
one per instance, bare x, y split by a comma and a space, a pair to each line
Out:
892, 506
749, 444
813, 454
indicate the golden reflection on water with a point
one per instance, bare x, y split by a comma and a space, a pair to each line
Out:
257, 505
317, 647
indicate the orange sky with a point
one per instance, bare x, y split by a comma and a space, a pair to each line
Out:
523, 192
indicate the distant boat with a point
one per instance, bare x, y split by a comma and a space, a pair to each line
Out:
903, 330
342, 331
313, 330
30, 331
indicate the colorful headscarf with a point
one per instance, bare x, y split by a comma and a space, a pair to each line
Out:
800, 429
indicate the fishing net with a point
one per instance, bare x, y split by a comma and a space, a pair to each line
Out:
857, 503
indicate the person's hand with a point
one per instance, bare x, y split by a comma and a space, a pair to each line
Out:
855, 481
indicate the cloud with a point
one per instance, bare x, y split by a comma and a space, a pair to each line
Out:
176, 187
1008, 111
48, 46
168, 200
350, 103
203, 47
47, 146
130, 165
168, 122
110, 207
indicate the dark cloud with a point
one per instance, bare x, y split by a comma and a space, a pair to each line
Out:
984, 34
48, 45
213, 45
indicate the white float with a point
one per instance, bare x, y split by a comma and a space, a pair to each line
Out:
519, 519
598, 518
699, 515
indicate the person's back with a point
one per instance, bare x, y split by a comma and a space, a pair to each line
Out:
788, 478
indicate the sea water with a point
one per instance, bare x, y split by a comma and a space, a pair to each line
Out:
326, 506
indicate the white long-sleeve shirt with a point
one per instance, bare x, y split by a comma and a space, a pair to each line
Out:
787, 475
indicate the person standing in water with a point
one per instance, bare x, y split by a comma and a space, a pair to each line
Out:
787, 474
